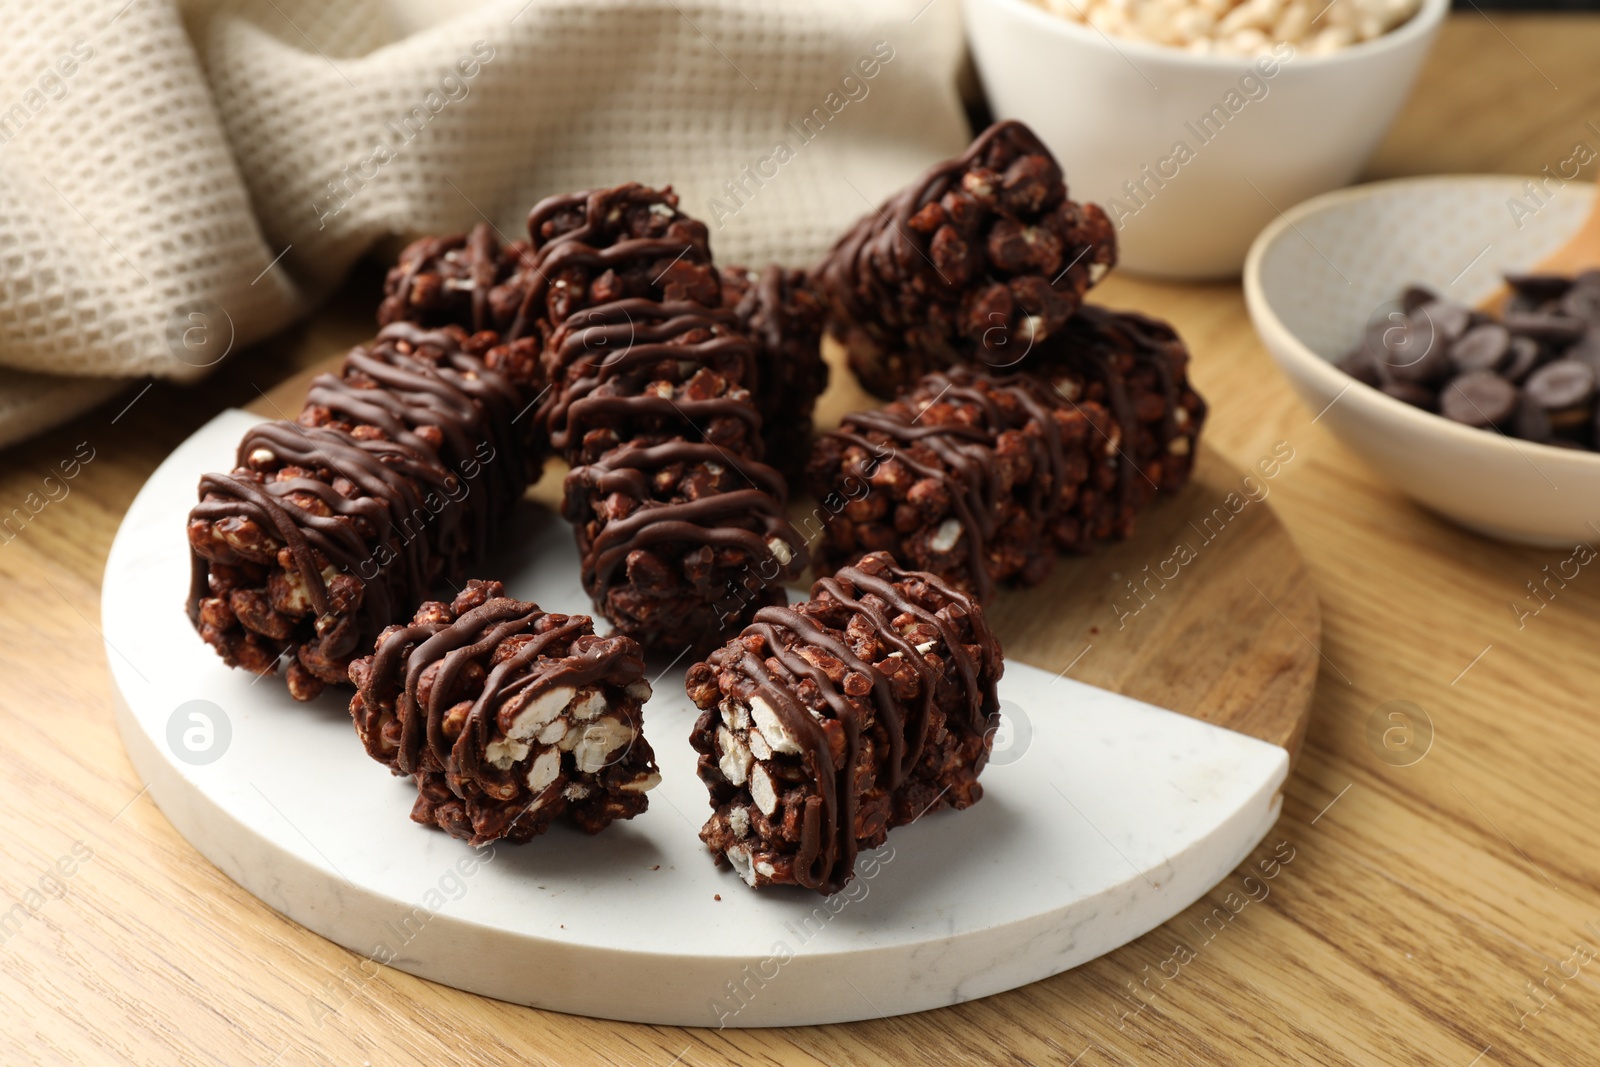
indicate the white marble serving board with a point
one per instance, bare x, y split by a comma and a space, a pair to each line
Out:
1109, 819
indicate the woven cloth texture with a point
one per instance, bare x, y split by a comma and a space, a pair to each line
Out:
180, 179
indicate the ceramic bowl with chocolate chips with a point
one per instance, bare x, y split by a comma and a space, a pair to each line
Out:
1373, 302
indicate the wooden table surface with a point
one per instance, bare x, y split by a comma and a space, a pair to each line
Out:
1442, 911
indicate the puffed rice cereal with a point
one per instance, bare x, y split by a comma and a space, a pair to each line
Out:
1240, 27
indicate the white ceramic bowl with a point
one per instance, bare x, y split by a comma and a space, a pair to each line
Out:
1109, 107
1317, 276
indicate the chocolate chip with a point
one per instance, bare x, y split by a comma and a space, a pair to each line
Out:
1557, 329
1586, 349
1372, 340
1539, 287
1481, 348
1566, 383
1358, 363
1447, 317
1416, 296
1414, 350
1583, 302
1520, 303
1531, 422
1525, 354
1419, 396
1480, 398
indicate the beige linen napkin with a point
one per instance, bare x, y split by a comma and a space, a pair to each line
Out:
179, 180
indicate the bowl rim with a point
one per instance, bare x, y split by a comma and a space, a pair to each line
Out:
1430, 14
1285, 346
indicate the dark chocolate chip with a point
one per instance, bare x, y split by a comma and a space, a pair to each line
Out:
1539, 287
1564, 384
1480, 398
1481, 348
1416, 296
1531, 422
1525, 355
1447, 317
1557, 329
1586, 349
1372, 339
1522, 304
1414, 350
1359, 364
1583, 302
1419, 396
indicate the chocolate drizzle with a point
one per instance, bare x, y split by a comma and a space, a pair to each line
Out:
1130, 363
405, 654
642, 346
612, 362
411, 378
747, 518
966, 452
391, 479
594, 247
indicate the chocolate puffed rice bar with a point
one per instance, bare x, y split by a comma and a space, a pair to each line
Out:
396, 475
679, 524
982, 258
827, 723
507, 717
984, 478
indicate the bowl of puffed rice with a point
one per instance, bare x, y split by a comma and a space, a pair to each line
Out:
1194, 123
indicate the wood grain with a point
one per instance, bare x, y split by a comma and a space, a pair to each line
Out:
1420, 904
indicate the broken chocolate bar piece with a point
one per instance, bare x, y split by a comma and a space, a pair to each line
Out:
396, 476
827, 723
507, 717
984, 478
983, 258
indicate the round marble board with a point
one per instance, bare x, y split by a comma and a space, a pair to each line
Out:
1103, 815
